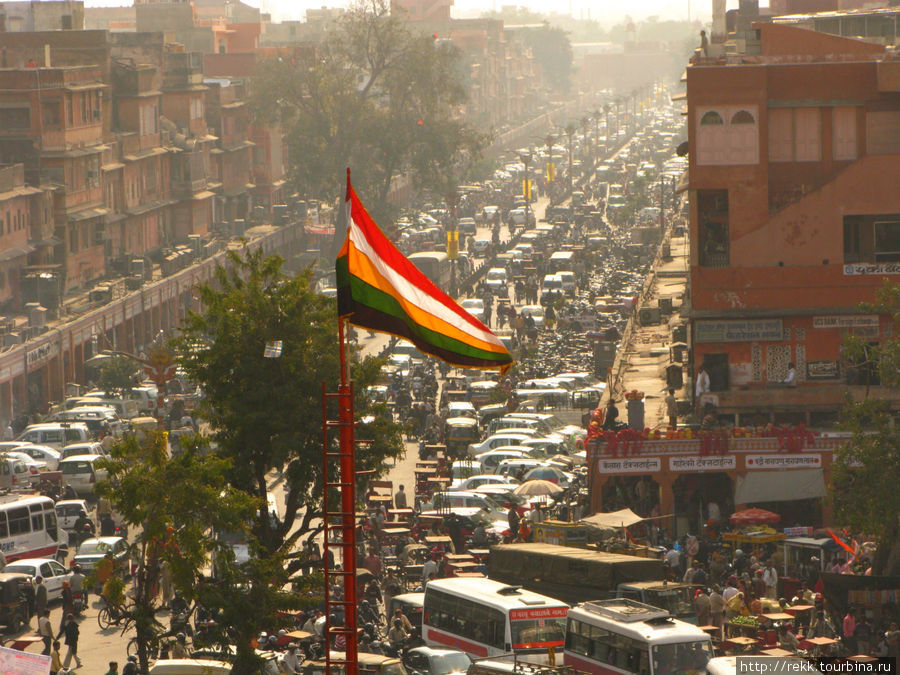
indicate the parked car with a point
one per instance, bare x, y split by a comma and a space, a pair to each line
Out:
474, 306
67, 511
49, 569
433, 661
42, 453
496, 440
83, 449
82, 473
93, 550
473, 482
466, 225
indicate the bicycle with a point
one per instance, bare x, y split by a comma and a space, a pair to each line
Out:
109, 616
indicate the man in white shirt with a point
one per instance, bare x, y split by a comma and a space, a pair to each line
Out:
791, 378
290, 661
701, 385
770, 577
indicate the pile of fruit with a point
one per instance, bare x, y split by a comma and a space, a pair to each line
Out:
746, 621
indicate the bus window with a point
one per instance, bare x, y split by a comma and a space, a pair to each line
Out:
682, 657
19, 522
50, 522
37, 522
4, 530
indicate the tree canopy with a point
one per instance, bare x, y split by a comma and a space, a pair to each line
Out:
175, 504
864, 475
372, 95
551, 48
266, 412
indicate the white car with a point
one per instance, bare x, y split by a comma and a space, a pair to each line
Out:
474, 306
496, 440
67, 511
468, 499
536, 312
490, 459
400, 363
480, 246
42, 453
82, 449
512, 467
496, 279
34, 466
468, 484
461, 409
52, 572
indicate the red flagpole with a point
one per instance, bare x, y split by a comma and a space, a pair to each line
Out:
343, 477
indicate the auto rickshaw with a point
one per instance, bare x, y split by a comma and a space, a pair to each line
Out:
14, 609
459, 432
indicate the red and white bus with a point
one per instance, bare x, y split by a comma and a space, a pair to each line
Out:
29, 529
623, 636
487, 618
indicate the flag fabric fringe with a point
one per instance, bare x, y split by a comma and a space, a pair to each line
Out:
381, 290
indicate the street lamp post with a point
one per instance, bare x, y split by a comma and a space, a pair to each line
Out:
525, 158
570, 132
453, 238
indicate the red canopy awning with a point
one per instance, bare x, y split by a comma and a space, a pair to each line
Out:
754, 517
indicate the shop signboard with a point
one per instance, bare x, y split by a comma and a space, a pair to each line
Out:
739, 330
864, 269
846, 321
823, 370
808, 460
701, 463
629, 465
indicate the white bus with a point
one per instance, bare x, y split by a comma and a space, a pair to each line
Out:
624, 636
28, 528
488, 618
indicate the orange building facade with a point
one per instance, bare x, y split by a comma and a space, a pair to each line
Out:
794, 217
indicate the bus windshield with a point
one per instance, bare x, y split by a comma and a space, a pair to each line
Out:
681, 657
676, 601
528, 633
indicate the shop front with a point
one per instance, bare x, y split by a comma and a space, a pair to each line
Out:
672, 478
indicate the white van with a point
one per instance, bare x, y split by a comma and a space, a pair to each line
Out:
55, 434
14, 473
126, 408
82, 473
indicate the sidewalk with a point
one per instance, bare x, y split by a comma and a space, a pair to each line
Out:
642, 361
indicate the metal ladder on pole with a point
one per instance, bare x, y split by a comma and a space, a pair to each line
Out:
339, 478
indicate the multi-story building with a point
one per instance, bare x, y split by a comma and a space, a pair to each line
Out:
27, 17
184, 105
794, 217
138, 184
228, 114
16, 201
52, 122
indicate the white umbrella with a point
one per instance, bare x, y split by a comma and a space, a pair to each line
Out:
537, 488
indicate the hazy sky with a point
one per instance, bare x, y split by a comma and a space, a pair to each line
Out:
605, 11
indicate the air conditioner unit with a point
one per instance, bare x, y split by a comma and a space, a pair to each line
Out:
649, 316
101, 294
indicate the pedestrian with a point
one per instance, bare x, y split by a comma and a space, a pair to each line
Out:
166, 584
701, 386
400, 498
849, 629
45, 630
770, 576
704, 44
512, 519
610, 421
55, 659
672, 408
131, 667
113, 668
68, 603
702, 607
40, 596
716, 609
863, 635
72, 633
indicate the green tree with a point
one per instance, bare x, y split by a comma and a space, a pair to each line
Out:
266, 412
551, 48
373, 95
864, 474
117, 374
175, 505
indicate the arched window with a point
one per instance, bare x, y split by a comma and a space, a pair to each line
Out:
712, 117
742, 117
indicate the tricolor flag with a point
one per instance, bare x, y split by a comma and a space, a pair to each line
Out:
379, 289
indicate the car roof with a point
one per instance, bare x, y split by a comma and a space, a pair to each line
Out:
66, 502
81, 458
32, 561
104, 540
